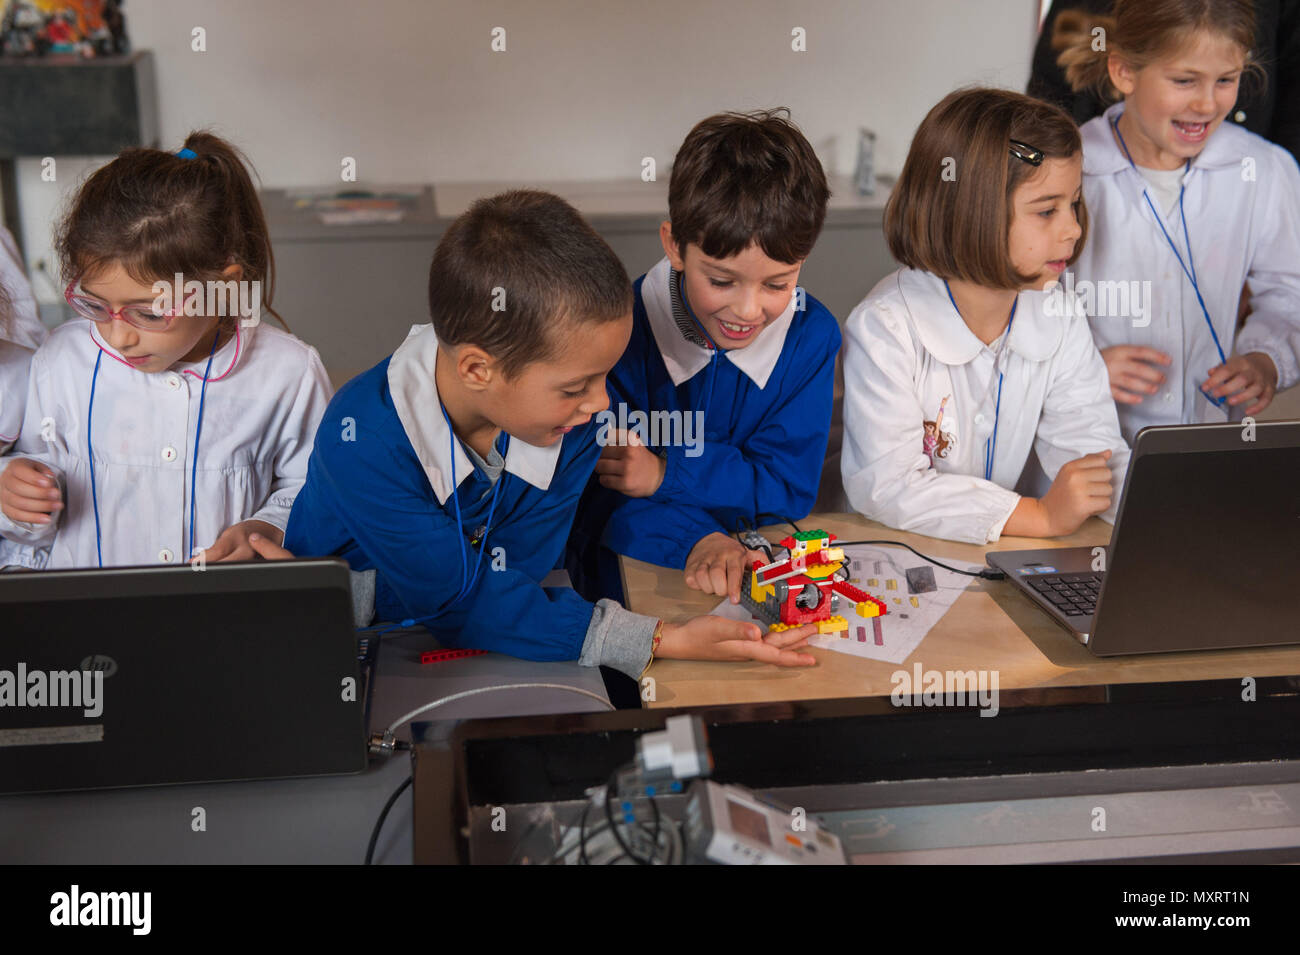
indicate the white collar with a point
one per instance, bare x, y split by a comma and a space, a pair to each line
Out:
415, 398
1102, 155
1034, 335
224, 359
683, 359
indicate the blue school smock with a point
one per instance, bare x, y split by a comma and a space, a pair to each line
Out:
379, 495
767, 413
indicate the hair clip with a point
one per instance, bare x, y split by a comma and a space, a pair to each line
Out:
1026, 153
185, 153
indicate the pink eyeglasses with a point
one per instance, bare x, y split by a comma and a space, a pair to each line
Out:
142, 317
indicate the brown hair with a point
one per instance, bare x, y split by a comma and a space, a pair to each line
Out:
743, 178
155, 214
534, 251
950, 212
1142, 31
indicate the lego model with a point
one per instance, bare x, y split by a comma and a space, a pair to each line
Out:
805, 586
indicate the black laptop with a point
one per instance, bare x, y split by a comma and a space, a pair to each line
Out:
135, 676
1205, 554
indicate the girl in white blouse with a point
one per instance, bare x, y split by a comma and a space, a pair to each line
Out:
959, 365
168, 423
1190, 210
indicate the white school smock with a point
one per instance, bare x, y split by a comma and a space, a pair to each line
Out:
1242, 200
14, 362
23, 325
265, 396
906, 349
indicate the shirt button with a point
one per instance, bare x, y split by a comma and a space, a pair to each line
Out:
1239, 115
1169, 396
979, 419
173, 381
165, 556
168, 453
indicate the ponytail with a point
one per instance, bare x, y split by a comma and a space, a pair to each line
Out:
195, 212
242, 213
1083, 51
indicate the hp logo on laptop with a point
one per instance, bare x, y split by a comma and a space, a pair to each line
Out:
97, 661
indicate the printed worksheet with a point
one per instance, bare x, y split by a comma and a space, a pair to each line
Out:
917, 594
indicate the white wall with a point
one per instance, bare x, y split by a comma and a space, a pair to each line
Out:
585, 89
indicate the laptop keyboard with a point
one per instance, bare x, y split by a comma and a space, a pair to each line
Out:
1075, 595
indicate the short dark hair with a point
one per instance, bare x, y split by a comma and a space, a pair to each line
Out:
957, 225
515, 266
744, 178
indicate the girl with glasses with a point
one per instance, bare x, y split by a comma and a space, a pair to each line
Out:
169, 423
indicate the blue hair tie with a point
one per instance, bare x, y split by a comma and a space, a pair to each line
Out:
186, 153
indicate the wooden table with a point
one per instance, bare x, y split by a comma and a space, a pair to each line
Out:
989, 627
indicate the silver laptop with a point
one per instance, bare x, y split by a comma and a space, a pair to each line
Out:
1205, 553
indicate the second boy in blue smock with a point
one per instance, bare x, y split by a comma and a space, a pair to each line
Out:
727, 381
446, 476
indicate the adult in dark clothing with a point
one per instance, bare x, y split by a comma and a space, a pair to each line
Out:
1270, 108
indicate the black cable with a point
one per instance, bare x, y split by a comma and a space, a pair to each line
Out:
988, 573
739, 532
749, 527
582, 835
383, 814
780, 519
613, 826
654, 840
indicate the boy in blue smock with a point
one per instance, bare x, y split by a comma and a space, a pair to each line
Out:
722, 401
447, 475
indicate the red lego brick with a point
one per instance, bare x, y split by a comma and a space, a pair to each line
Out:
438, 656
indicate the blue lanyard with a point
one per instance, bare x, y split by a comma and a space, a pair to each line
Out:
90, 450
198, 431
1189, 269
467, 584
990, 443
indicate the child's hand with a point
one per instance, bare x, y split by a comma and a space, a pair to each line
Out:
233, 544
1132, 371
29, 492
716, 565
1082, 488
268, 549
1244, 377
631, 468
717, 638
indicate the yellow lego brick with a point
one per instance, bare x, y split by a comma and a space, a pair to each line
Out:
898, 600
832, 625
873, 581
915, 602
866, 609
891, 584
821, 571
